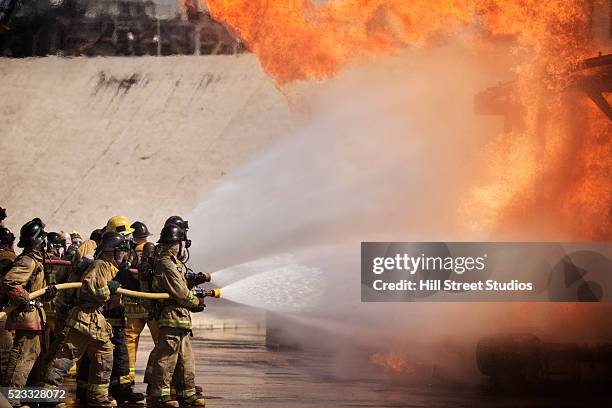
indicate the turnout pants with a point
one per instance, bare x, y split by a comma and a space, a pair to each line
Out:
26, 349
6, 344
171, 363
77, 345
120, 382
133, 329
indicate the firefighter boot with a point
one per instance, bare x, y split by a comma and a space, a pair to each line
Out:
81, 395
127, 394
162, 402
196, 400
107, 403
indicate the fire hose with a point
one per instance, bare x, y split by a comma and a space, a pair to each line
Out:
63, 262
216, 293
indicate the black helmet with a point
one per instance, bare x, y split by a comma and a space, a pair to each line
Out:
96, 235
112, 241
171, 234
176, 220
6, 237
2, 214
140, 230
55, 239
32, 234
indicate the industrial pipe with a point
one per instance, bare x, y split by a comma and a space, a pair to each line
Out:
216, 293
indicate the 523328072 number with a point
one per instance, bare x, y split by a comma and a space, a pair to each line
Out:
35, 394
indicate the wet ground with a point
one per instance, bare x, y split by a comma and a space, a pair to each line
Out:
236, 369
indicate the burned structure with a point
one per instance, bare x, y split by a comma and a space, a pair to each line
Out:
109, 28
592, 77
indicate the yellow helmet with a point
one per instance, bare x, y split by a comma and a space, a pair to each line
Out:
120, 224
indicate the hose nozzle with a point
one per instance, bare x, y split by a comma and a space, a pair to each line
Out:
215, 293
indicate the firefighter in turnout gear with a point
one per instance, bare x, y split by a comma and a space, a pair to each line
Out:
28, 318
81, 260
56, 248
75, 242
67, 299
171, 363
87, 331
121, 387
137, 315
7, 257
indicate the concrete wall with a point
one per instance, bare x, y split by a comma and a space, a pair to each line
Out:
84, 139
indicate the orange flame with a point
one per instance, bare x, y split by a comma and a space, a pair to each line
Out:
392, 362
553, 178
297, 39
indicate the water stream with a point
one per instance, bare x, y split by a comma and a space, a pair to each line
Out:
377, 162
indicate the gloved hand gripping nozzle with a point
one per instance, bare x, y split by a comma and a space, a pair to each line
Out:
196, 278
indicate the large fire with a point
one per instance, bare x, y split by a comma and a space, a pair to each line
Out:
551, 179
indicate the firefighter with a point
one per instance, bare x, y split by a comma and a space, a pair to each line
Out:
171, 362
81, 260
7, 250
56, 246
2, 216
54, 274
121, 386
192, 279
75, 243
28, 317
137, 315
7, 257
67, 299
88, 334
